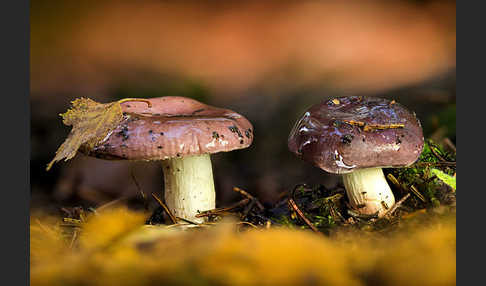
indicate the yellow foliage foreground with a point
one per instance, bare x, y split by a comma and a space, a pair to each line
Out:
113, 248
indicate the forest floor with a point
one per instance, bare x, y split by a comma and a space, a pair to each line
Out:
309, 237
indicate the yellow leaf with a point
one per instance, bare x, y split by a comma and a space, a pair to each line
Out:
92, 122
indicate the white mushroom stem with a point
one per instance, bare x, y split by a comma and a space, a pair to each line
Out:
368, 191
189, 186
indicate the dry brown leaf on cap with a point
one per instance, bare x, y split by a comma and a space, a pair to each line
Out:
92, 122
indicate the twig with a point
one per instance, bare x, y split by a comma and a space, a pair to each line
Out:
417, 193
74, 212
247, 223
332, 198
109, 204
73, 221
246, 194
281, 201
354, 214
68, 212
247, 209
394, 181
188, 221
186, 224
335, 211
372, 127
175, 225
169, 213
73, 239
216, 211
449, 144
93, 210
356, 123
294, 206
396, 205
282, 195
437, 154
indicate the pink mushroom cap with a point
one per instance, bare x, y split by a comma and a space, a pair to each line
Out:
173, 127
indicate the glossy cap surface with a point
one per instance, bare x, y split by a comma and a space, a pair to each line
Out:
343, 134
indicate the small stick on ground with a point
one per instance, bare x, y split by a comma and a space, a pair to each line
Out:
71, 221
437, 155
448, 143
282, 195
294, 206
247, 209
394, 181
335, 211
169, 213
396, 205
110, 203
247, 223
354, 214
416, 192
188, 221
217, 211
73, 239
246, 194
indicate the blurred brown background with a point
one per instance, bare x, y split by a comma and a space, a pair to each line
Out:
268, 60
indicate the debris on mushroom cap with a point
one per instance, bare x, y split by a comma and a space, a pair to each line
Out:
356, 132
173, 127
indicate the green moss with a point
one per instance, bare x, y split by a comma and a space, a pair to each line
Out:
422, 177
327, 209
324, 221
286, 221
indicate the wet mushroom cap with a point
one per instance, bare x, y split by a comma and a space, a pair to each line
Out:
173, 127
343, 134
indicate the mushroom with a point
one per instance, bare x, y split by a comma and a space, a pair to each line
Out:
181, 133
358, 136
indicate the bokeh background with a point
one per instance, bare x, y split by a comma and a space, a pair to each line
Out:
268, 60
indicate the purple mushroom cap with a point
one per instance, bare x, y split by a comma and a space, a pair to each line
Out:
347, 133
